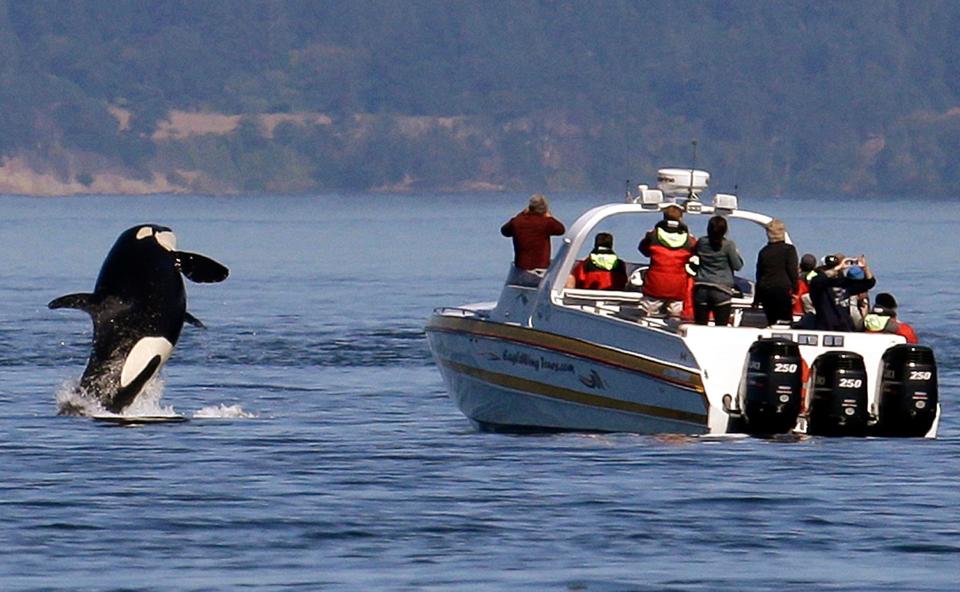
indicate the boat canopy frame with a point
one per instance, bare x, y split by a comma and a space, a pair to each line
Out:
580, 231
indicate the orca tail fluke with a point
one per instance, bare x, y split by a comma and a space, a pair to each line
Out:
200, 268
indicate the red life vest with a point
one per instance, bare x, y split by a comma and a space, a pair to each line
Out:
907, 331
802, 288
667, 276
591, 277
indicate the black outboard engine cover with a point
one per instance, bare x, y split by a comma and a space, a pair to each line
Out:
908, 391
838, 406
773, 387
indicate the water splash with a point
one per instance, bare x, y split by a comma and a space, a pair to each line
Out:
73, 400
148, 401
223, 412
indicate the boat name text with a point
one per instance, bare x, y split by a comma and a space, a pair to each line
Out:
536, 362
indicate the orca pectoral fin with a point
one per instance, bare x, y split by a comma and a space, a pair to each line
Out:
84, 302
201, 269
194, 321
127, 394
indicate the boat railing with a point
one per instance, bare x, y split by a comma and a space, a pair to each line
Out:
623, 305
462, 312
605, 295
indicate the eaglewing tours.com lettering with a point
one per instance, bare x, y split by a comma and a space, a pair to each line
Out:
536, 362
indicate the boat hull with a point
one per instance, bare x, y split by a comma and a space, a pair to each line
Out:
509, 378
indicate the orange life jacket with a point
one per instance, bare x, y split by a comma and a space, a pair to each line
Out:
667, 276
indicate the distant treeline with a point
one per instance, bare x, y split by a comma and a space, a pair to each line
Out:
306, 96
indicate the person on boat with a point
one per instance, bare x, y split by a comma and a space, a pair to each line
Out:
718, 258
801, 299
531, 230
831, 288
859, 303
669, 246
882, 318
602, 269
777, 270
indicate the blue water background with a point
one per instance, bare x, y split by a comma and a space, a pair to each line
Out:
350, 469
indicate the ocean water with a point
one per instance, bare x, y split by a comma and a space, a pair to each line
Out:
322, 452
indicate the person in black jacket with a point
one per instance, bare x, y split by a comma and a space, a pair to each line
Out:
831, 288
776, 274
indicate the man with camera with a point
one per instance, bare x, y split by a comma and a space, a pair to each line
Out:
836, 281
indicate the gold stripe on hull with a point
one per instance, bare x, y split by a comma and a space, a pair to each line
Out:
568, 395
570, 346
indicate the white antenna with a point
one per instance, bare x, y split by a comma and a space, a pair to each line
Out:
693, 169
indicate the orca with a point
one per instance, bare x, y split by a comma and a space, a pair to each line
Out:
138, 307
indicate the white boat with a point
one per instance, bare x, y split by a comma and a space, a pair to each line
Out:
551, 358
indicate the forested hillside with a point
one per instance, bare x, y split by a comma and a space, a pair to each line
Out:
410, 95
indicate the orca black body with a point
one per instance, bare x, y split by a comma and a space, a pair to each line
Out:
138, 307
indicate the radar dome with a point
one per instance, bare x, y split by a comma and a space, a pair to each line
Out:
682, 182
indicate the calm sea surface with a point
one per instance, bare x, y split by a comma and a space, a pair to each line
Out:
323, 453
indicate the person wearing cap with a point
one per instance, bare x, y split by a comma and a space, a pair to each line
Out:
531, 230
602, 269
859, 303
669, 247
776, 274
882, 318
717, 260
832, 287
801, 299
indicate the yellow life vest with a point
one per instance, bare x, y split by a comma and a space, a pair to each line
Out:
875, 323
673, 240
604, 261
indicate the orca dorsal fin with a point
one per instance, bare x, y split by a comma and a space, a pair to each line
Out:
83, 301
193, 320
200, 268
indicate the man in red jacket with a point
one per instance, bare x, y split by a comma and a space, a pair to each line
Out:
531, 230
669, 246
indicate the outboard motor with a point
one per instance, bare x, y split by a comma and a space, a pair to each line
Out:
771, 393
908, 391
838, 405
